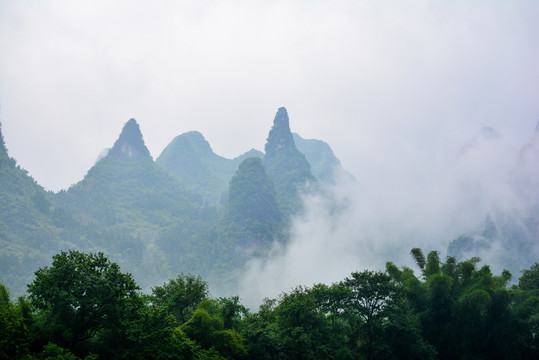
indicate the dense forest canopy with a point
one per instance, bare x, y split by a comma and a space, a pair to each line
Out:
84, 307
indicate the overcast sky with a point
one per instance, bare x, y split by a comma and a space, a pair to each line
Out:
385, 83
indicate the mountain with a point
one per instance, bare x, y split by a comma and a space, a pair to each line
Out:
325, 166
251, 217
286, 165
134, 200
191, 210
190, 158
31, 229
130, 144
126, 189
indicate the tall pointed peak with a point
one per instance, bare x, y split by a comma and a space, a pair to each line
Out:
281, 119
280, 136
130, 144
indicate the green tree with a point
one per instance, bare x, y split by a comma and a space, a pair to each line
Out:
373, 298
154, 335
13, 333
81, 295
530, 278
386, 326
181, 296
208, 331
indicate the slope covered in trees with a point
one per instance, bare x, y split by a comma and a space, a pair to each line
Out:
134, 200
194, 211
251, 216
31, 228
154, 218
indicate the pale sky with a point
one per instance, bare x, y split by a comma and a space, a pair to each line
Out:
388, 84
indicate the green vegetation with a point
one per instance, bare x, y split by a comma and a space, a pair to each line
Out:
32, 229
190, 211
84, 307
194, 212
137, 204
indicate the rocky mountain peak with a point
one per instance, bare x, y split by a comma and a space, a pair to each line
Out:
130, 144
281, 119
280, 137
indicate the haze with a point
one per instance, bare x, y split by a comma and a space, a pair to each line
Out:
385, 83
398, 89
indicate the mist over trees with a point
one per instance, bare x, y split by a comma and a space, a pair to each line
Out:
255, 226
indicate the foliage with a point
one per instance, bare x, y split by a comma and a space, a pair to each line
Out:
14, 334
79, 296
530, 278
82, 306
181, 296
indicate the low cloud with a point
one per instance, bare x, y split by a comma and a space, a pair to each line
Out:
411, 200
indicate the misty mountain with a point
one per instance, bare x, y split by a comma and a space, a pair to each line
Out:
128, 191
190, 158
286, 165
191, 210
325, 166
31, 228
508, 198
134, 201
251, 217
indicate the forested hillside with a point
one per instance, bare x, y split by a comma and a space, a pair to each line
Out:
32, 229
191, 210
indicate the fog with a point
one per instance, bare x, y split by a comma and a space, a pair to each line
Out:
371, 78
409, 201
400, 90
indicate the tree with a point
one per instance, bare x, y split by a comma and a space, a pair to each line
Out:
13, 333
80, 295
181, 296
154, 336
372, 298
530, 278
208, 331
